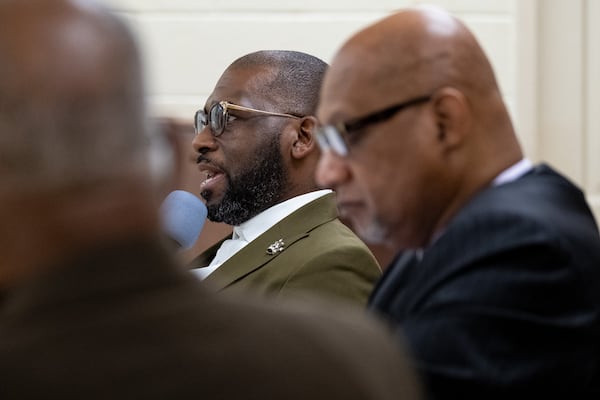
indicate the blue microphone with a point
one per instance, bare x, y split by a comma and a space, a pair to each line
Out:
183, 216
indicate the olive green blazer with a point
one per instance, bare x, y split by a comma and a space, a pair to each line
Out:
309, 253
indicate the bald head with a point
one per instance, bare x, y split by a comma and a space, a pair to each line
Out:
70, 94
416, 165
410, 53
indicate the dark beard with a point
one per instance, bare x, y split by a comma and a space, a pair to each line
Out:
257, 188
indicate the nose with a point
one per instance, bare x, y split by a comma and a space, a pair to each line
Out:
204, 141
332, 170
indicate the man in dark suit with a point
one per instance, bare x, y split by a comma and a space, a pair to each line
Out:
498, 281
257, 153
93, 306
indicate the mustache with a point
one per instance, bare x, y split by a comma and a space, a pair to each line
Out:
203, 158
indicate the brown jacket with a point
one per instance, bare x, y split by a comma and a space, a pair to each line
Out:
317, 255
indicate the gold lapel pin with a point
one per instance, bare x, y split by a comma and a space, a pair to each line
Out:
276, 247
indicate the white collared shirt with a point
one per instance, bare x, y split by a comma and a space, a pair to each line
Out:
513, 172
256, 226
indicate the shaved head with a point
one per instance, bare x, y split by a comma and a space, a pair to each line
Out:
292, 79
412, 52
412, 170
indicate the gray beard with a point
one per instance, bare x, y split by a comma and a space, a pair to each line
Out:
257, 188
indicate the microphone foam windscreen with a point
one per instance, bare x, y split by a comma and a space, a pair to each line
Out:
183, 216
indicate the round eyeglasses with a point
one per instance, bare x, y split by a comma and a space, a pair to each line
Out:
218, 116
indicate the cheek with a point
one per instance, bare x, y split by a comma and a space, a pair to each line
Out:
234, 157
372, 189
384, 198
392, 187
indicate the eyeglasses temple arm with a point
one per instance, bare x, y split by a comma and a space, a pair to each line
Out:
231, 106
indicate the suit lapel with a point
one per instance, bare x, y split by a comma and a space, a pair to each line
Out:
278, 238
395, 276
207, 255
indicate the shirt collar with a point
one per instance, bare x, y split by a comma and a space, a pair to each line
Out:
513, 172
256, 226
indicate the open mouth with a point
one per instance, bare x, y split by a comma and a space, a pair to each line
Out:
212, 176
209, 177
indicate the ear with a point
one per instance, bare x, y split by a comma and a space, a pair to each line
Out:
303, 142
453, 116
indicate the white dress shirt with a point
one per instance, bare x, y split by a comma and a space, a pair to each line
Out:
513, 172
256, 226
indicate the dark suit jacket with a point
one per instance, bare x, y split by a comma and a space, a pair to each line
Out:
320, 256
122, 322
507, 301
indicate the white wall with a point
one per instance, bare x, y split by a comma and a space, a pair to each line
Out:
591, 95
188, 43
569, 90
546, 54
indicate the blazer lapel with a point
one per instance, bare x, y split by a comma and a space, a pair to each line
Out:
395, 276
207, 255
274, 242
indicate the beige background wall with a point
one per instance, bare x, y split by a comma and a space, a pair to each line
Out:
546, 54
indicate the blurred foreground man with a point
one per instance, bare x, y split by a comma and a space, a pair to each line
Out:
93, 307
498, 282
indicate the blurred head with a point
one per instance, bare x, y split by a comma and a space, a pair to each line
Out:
255, 135
73, 137
412, 134
71, 111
